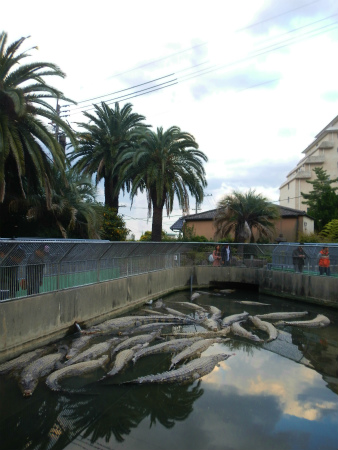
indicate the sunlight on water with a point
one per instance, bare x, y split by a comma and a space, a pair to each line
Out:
281, 395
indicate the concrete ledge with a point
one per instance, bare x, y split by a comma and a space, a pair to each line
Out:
30, 322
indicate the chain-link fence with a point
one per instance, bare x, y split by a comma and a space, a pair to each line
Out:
29, 267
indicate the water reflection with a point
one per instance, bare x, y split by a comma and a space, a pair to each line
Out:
280, 395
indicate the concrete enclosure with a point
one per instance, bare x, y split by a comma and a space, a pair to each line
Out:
30, 322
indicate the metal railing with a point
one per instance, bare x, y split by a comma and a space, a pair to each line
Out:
29, 267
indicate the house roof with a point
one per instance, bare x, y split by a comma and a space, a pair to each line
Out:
284, 211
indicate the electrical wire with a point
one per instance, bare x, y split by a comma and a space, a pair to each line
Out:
308, 35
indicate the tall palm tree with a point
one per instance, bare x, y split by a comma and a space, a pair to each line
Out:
109, 132
166, 164
26, 142
241, 214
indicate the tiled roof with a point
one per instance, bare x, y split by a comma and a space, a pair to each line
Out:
209, 215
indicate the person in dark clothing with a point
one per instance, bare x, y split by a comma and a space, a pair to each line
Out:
226, 255
35, 268
298, 259
9, 274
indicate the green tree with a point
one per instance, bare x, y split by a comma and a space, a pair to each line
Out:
322, 201
108, 133
26, 142
241, 214
71, 210
113, 226
166, 164
330, 231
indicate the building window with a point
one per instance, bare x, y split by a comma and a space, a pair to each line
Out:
288, 199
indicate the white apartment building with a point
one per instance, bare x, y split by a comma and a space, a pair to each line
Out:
322, 152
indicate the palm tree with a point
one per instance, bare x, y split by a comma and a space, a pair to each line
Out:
241, 214
166, 164
108, 133
73, 208
26, 142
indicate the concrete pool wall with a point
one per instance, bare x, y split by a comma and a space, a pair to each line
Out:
30, 322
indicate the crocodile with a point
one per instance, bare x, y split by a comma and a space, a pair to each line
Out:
147, 327
234, 318
143, 339
153, 312
39, 368
80, 368
195, 349
210, 323
238, 330
191, 306
122, 359
282, 315
187, 373
22, 360
176, 313
265, 326
122, 323
318, 322
174, 345
247, 302
78, 344
94, 351
204, 334
216, 313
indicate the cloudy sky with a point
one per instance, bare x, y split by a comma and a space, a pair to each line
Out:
253, 81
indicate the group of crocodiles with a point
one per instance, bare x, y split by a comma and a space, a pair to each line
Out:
133, 337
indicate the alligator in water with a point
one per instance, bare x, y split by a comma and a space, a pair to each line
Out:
282, 315
143, 339
95, 351
195, 349
80, 368
210, 324
203, 334
318, 322
43, 366
122, 359
265, 326
247, 302
22, 360
234, 318
238, 330
120, 324
185, 374
191, 306
175, 345
78, 344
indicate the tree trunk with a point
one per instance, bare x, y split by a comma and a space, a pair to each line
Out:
110, 199
156, 229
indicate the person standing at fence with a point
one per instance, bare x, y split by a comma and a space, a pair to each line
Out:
225, 255
35, 268
217, 256
9, 273
298, 259
324, 261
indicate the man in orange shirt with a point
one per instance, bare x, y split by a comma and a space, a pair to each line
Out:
324, 261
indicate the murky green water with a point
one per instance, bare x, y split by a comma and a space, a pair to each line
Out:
263, 397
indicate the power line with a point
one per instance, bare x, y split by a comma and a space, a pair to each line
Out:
213, 68
239, 30
122, 90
